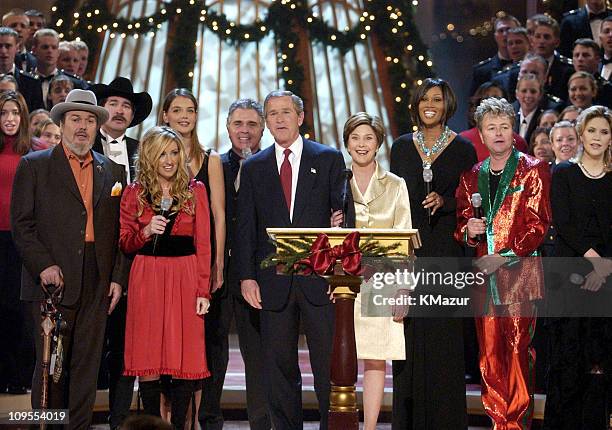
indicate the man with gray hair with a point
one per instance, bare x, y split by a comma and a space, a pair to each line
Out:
515, 199
245, 126
65, 224
294, 183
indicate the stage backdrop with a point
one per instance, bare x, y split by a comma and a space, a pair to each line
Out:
341, 85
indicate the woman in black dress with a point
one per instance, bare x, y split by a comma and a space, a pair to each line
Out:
429, 386
580, 353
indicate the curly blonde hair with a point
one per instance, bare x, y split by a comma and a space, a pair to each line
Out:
152, 145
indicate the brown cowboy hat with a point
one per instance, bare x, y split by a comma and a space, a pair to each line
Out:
122, 87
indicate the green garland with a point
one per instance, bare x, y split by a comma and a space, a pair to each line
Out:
291, 251
392, 21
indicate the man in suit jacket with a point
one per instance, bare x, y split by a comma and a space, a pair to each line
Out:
27, 84
65, 223
582, 23
545, 40
586, 58
245, 125
126, 109
293, 183
605, 41
486, 69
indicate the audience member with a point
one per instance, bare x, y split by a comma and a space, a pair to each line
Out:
582, 89
47, 135
37, 21
14, 317
27, 84
8, 83
545, 40
564, 140
540, 146
19, 21
586, 58
605, 41
36, 117
548, 118
526, 107
485, 70
59, 88
68, 59
83, 52
570, 113
518, 43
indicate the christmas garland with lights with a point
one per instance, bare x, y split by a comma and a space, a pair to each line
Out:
392, 21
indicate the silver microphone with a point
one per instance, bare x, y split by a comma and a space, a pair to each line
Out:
478, 211
428, 178
165, 205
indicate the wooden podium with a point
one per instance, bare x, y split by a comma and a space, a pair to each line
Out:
343, 412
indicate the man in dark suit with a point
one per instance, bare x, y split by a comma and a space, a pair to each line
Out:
126, 109
486, 69
27, 84
245, 125
545, 40
582, 23
65, 223
19, 21
605, 41
293, 183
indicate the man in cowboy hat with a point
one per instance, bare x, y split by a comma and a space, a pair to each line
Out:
126, 109
65, 223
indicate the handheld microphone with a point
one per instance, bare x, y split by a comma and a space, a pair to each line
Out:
428, 178
478, 211
165, 205
347, 174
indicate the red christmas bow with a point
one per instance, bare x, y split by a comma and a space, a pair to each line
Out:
323, 257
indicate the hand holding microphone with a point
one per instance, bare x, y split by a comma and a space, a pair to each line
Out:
476, 225
158, 223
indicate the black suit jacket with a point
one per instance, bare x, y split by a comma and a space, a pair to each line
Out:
132, 150
556, 83
485, 70
261, 204
48, 221
30, 88
575, 25
231, 164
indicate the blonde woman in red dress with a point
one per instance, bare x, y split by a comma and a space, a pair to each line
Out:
170, 276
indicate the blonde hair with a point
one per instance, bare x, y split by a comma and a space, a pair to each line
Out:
152, 145
591, 113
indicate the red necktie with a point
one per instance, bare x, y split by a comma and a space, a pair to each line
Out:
285, 177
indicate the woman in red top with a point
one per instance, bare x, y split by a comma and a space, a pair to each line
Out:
170, 275
14, 142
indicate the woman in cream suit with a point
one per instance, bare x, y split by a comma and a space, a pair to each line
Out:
381, 201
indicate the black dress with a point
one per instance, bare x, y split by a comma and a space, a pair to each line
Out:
429, 386
582, 213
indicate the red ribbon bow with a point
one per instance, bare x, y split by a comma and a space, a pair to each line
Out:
323, 256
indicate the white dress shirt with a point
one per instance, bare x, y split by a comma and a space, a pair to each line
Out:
294, 159
606, 71
594, 24
525, 121
116, 151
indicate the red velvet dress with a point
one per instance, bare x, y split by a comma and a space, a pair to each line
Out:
164, 335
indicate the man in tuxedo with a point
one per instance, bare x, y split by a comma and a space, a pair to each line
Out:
27, 84
65, 223
545, 40
582, 23
294, 183
605, 41
45, 46
125, 109
486, 69
19, 21
245, 125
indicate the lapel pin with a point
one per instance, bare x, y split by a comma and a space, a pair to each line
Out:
313, 170
99, 167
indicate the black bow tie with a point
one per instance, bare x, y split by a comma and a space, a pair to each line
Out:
601, 15
504, 63
46, 78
